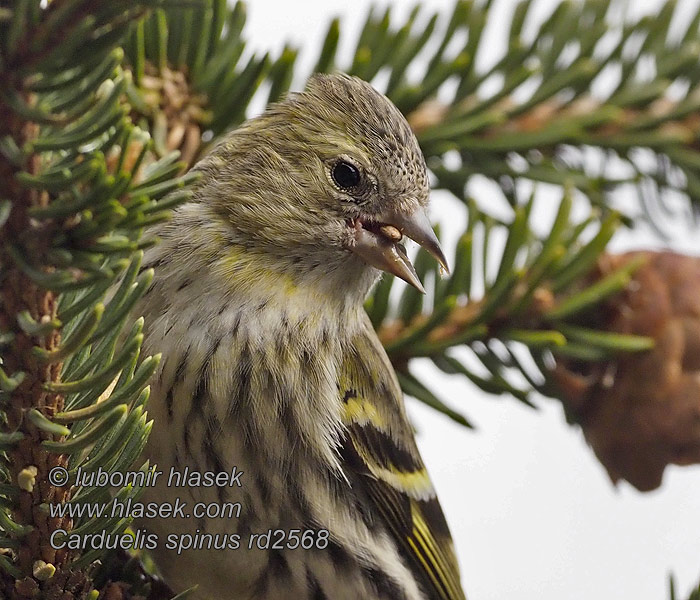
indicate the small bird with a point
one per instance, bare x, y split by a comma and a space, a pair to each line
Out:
272, 371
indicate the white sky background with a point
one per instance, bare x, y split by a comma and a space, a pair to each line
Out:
532, 512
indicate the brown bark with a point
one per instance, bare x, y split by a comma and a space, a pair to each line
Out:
19, 293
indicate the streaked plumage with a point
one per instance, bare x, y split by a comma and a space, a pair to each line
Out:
271, 365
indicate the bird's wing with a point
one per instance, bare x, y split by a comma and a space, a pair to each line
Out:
381, 458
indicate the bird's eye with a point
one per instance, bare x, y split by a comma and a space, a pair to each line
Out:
345, 174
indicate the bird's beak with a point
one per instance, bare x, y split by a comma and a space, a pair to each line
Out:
377, 242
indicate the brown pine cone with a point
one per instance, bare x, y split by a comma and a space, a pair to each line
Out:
641, 411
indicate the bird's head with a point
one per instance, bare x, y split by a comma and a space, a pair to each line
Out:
325, 184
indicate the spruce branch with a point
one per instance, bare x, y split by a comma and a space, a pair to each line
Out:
529, 302
694, 593
532, 115
77, 194
103, 106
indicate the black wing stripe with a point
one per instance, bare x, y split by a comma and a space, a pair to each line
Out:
409, 528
